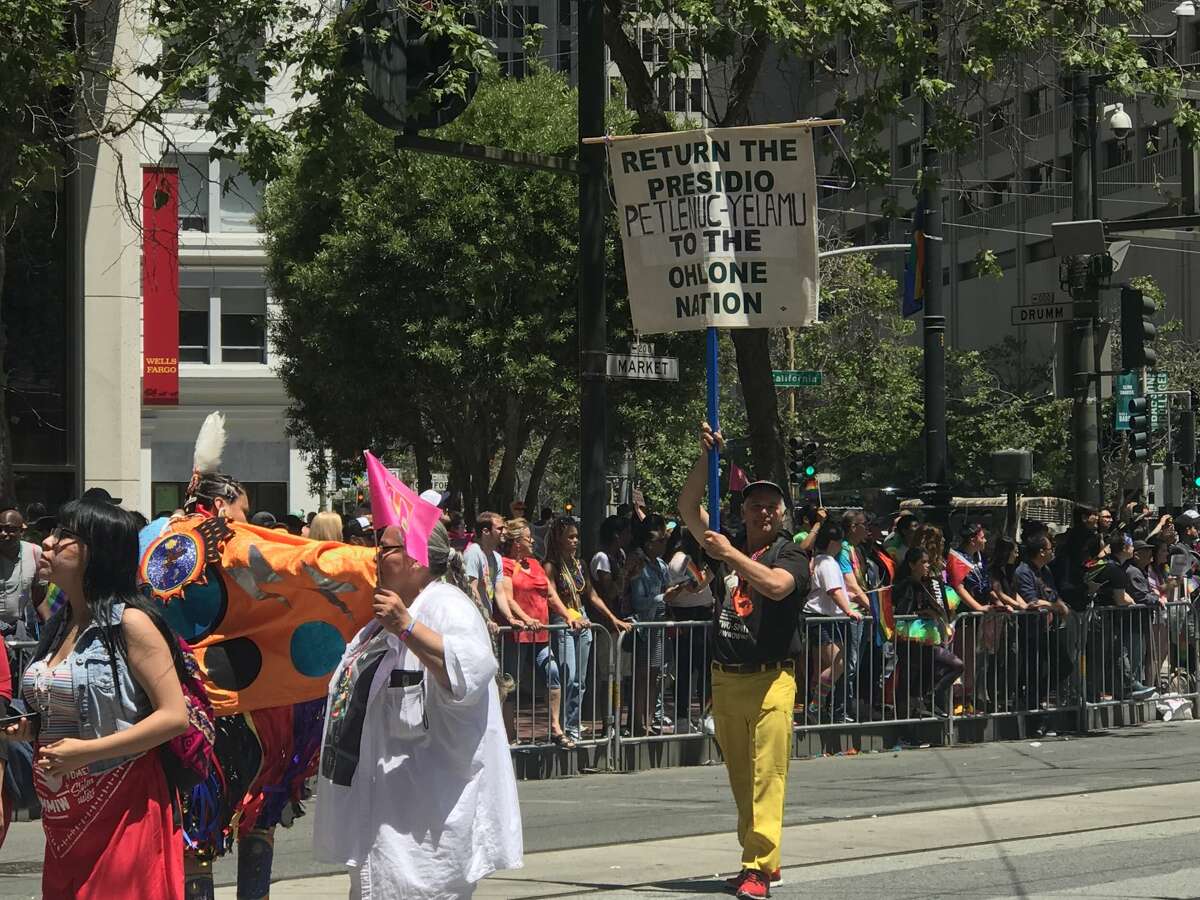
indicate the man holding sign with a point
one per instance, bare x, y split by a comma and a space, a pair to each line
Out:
760, 585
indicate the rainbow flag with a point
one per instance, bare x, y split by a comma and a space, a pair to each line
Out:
914, 268
883, 614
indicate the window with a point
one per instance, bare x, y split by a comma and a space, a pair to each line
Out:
681, 95
241, 198
1038, 100
968, 201
647, 45
1038, 177
564, 13
1062, 168
193, 325
502, 22
906, 155
998, 116
999, 191
271, 496
682, 42
564, 56
697, 95
1066, 88
967, 270
193, 191
1159, 136
517, 66
1006, 259
486, 28
1115, 153
244, 325
664, 92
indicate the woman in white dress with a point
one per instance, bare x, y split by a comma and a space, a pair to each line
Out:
416, 793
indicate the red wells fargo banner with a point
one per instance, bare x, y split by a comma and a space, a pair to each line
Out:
160, 287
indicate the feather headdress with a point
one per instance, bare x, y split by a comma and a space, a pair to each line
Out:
208, 482
210, 445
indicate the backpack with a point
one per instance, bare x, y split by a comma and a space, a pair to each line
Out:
188, 758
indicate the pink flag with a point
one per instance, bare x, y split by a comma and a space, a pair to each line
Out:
394, 503
737, 478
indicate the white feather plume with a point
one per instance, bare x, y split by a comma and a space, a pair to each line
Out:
210, 444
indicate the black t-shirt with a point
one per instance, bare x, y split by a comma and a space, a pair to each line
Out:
1108, 579
751, 628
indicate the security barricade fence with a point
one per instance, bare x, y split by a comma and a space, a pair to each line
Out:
652, 685
560, 667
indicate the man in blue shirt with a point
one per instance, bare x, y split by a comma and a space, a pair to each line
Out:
1045, 665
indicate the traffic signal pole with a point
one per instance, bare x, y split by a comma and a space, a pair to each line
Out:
936, 491
1085, 288
592, 315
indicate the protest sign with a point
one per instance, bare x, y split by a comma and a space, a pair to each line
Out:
718, 227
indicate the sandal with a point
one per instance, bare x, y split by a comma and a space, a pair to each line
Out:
563, 741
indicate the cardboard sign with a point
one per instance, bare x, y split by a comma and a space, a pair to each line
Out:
718, 227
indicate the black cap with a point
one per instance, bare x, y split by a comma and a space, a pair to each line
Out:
1142, 545
263, 520
100, 495
755, 485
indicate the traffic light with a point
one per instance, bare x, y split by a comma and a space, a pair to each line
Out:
1139, 428
403, 71
1185, 438
1137, 331
803, 465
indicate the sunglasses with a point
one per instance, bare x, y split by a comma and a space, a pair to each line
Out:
62, 533
382, 550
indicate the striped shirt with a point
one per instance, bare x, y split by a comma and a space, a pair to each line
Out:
51, 692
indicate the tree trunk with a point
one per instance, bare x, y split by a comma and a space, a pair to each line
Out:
421, 453
7, 483
762, 407
516, 435
545, 452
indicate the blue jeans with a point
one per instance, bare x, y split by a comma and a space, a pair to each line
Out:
573, 649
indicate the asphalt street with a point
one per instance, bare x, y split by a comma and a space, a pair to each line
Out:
1111, 813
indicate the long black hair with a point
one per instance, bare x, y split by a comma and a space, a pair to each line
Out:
110, 535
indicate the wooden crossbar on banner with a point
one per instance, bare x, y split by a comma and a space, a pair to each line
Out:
800, 123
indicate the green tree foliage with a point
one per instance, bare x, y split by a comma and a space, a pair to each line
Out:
869, 412
426, 295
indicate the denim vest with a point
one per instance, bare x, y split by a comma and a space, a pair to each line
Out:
104, 707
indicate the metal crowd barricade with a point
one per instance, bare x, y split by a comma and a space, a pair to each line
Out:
1017, 663
652, 685
576, 656
1142, 653
661, 673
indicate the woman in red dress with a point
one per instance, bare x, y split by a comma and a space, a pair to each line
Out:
104, 691
529, 595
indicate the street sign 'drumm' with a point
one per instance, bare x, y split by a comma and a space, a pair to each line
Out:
1043, 314
791, 378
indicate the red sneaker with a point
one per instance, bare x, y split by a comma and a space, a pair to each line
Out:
754, 886
736, 881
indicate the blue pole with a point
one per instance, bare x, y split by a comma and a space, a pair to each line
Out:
714, 457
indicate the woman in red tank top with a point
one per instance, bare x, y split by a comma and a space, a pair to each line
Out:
530, 596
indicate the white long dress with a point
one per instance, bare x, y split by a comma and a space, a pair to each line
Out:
431, 805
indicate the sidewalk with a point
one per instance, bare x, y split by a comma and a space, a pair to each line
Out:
618, 870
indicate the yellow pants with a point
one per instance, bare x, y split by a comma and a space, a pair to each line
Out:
753, 715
